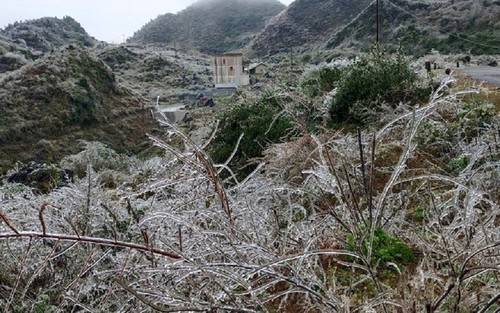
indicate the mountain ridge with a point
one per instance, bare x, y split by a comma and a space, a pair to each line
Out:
204, 26
449, 26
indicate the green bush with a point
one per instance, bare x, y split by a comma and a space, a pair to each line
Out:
371, 81
83, 110
261, 125
457, 164
306, 58
320, 81
386, 248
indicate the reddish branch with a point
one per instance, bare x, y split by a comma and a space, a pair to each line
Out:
7, 222
94, 240
219, 188
41, 218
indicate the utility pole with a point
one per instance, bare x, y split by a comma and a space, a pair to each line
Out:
378, 23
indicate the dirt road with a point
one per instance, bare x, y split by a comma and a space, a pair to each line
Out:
487, 73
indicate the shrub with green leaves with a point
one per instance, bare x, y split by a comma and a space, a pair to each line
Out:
261, 124
385, 248
320, 81
457, 164
374, 80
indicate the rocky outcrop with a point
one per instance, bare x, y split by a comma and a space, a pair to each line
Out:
41, 177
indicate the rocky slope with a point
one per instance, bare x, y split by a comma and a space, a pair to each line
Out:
47, 33
211, 26
48, 105
304, 23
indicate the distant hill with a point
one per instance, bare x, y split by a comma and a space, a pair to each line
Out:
47, 33
211, 26
67, 95
306, 22
449, 26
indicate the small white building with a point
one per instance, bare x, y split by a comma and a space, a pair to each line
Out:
229, 71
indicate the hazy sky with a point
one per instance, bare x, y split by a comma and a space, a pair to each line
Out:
108, 20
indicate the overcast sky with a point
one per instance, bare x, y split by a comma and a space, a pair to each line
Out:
108, 20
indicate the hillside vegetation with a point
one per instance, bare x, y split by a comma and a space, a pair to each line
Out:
14, 56
306, 23
210, 26
167, 74
65, 95
395, 208
47, 33
449, 26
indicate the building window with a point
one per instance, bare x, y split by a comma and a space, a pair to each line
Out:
224, 61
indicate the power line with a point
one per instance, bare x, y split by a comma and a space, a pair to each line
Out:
441, 29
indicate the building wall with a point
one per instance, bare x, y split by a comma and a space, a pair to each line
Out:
260, 69
228, 71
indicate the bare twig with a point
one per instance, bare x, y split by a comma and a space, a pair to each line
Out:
445, 294
94, 240
489, 304
362, 160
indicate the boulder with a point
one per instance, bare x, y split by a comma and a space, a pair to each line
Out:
42, 177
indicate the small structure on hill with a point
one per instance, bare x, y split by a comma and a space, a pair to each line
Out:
229, 71
257, 71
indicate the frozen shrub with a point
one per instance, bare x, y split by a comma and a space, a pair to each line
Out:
259, 122
320, 80
11, 61
372, 80
99, 156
